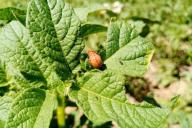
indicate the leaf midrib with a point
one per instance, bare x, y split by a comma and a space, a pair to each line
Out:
49, 10
67, 64
131, 105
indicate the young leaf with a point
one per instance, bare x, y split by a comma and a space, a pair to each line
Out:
84, 12
88, 29
55, 25
102, 97
33, 108
9, 14
126, 52
5, 104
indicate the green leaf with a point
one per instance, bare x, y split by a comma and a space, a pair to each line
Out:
14, 54
138, 25
46, 53
3, 75
127, 53
20, 65
5, 105
174, 101
102, 98
55, 25
10, 13
84, 12
33, 108
88, 29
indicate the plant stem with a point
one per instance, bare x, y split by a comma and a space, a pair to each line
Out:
61, 112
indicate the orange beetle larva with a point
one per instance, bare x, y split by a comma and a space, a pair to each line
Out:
94, 59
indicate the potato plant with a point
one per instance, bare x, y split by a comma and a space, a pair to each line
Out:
40, 54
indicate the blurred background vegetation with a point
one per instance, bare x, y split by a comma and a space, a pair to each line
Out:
168, 25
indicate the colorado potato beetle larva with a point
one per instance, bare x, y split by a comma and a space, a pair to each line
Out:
94, 59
